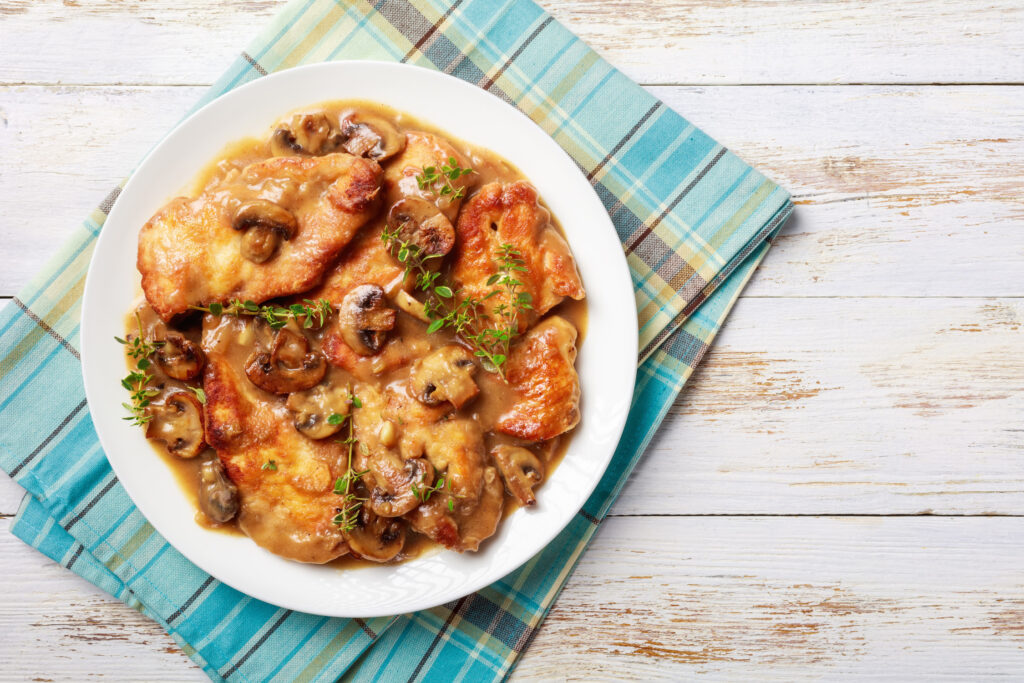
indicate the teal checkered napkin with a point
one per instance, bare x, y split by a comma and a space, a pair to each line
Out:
694, 221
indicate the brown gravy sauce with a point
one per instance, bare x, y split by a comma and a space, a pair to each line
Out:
494, 395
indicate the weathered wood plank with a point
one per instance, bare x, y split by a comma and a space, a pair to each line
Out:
908, 191
660, 598
790, 599
676, 41
861, 406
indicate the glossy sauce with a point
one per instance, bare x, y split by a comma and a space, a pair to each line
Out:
494, 397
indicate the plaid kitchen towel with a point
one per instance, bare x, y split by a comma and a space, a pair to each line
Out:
694, 221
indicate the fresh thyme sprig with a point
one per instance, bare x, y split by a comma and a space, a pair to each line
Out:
424, 494
490, 336
439, 179
310, 313
344, 486
137, 382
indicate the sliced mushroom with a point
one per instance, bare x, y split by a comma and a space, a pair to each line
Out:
408, 303
218, 497
265, 224
445, 375
521, 470
178, 422
180, 358
420, 222
401, 485
366, 135
483, 520
365, 319
314, 407
376, 538
309, 134
290, 365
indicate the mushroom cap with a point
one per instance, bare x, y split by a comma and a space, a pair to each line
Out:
180, 358
179, 423
420, 222
401, 485
314, 407
265, 224
376, 538
218, 496
445, 375
365, 319
521, 469
309, 134
367, 135
288, 367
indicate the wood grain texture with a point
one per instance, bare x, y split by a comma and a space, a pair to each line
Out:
669, 41
789, 599
852, 406
902, 191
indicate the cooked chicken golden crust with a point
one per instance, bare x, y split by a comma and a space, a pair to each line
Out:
542, 374
510, 214
191, 254
285, 481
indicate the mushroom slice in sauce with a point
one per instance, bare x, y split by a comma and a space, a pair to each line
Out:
366, 135
365, 319
376, 538
445, 375
401, 485
179, 423
483, 520
309, 134
218, 497
265, 224
180, 358
521, 470
313, 409
421, 223
290, 365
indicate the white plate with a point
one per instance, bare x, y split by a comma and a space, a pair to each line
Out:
607, 360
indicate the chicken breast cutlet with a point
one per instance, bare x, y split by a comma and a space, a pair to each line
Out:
510, 214
541, 371
270, 231
285, 480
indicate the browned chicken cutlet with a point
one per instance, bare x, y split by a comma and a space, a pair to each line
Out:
190, 252
510, 214
541, 370
285, 481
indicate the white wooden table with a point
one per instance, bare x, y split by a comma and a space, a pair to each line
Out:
839, 490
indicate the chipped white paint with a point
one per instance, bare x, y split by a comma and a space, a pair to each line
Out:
872, 368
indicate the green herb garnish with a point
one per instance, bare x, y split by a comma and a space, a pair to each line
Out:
347, 516
137, 382
489, 334
438, 179
270, 465
310, 313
